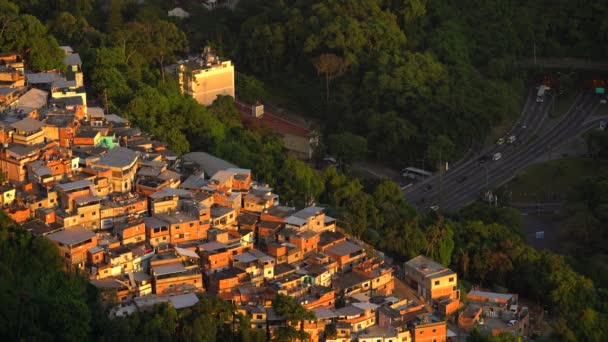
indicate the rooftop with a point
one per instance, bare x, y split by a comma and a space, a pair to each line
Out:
28, 125
118, 157
72, 235
210, 164
74, 185
428, 267
344, 248
164, 269
183, 301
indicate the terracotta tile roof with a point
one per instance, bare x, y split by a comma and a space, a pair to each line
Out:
273, 122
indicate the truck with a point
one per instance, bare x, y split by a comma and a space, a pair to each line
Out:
541, 93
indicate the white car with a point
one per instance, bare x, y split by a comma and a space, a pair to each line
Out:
511, 139
434, 207
512, 322
500, 141
497, 156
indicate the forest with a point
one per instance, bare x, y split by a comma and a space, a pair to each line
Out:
388, 80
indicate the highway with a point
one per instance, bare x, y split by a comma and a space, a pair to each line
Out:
465, 182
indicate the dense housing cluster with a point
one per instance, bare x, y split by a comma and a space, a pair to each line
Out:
147, 227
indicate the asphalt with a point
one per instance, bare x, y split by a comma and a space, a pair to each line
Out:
541, 137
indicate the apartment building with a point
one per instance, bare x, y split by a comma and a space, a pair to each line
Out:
206, 77
123, 164
434, 282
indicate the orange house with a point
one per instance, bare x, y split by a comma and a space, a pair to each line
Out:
216, 260
157, 231
430, 331
183, 227
18, 214
73, 244
95, 255
226, 280
278, 251
269, 229
241, 180
277, 213
306, 241
346, 254
175, 278
132, 231
325, 298
87, 138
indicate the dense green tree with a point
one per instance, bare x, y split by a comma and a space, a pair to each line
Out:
298, 184
39, 300
348, 147
295, 314
249, 89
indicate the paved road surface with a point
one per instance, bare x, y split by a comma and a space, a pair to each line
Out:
466, 182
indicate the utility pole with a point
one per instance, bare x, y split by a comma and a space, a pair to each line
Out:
487, 178
534, 52
440, 178
105, 95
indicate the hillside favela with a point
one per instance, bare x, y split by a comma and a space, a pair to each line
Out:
311, 170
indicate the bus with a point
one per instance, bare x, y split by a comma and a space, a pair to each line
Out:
414, 173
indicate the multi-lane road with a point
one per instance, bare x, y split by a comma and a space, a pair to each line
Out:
536, 136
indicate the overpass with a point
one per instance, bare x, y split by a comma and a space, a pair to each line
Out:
565, 63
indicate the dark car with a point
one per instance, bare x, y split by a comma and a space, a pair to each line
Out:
483, 159
427, 188
462, 179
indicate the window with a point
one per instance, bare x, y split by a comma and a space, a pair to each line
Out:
94, 213
421, 332
258, 316
378, 280
434, 330
39, 205
451, 280
81, 215
52, 200
191, 224
436, 282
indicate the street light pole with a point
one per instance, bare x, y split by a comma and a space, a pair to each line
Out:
487, 178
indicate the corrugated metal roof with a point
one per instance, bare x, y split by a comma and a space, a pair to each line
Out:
118, 157
168, 269
323, 312
72, 59
28, 125
42, 77
296, 221
75, 185
184, 300
186, 252
72, 235
503, 296
210, 164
